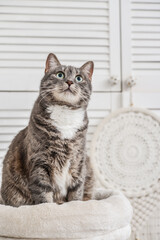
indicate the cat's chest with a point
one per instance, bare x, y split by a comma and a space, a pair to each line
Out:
63, 179
66, 120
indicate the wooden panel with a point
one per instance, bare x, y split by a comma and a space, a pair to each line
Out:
141, 44
76, 32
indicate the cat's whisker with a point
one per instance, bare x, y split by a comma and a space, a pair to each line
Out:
44, 95
83, 98
45, 92
46, 88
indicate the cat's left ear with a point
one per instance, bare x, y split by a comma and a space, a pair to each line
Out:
88, 69
51, 62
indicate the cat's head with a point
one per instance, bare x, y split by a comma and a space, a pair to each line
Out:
66, 84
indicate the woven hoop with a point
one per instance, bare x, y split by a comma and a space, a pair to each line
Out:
125, 152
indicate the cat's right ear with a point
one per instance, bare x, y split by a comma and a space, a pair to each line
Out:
51, 62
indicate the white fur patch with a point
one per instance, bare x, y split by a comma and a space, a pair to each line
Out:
66, 120
63, 179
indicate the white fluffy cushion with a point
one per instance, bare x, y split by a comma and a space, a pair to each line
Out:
95, 219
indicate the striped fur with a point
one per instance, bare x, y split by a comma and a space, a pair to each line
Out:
46, 161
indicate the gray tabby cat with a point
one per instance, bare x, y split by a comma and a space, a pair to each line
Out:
46, 161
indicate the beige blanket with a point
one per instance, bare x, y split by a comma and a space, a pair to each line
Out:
95, 220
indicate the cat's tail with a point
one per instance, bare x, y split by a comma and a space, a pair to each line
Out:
103, 193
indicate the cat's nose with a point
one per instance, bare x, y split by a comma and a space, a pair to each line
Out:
69, 82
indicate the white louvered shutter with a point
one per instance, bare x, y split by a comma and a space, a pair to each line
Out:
141, 59
77, 31
140, 31
141, 50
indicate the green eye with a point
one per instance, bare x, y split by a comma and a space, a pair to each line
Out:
60, 75
79, 78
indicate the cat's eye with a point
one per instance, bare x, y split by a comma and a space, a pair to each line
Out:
60, 75
79, 78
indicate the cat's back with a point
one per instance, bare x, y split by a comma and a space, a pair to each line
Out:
14, 188
16, 151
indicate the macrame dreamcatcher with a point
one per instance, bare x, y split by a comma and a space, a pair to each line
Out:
126, 155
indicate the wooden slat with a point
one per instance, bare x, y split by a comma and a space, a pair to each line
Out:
146, 58
145, 1
57, 4
12, 130
60, 51
146, 21
13, 122
40, 73
143, 28
146, 43
39, 64
146, 65
14, 114
53, 11
54, 26
6, 138
2, 154
146, 14
146, 36
145, 6
4, 146
50, 18
54, 41
65, 57
142, 72
54, 34
152, 50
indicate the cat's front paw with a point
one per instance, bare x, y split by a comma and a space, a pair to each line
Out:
60, 202
86, 199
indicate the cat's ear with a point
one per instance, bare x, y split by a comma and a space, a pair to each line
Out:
51, 62
88, 69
